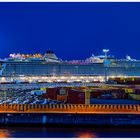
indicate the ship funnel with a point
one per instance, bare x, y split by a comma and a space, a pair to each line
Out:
51, 57
50, 54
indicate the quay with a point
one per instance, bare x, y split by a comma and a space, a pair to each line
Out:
70, 108
70, 114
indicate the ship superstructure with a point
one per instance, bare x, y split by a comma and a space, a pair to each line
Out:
40, 66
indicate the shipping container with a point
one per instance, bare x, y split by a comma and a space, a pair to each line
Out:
119, 95
76, 97
62, 98
134, 96
129, 90
95, 94
63, 91
106, 96
51, 93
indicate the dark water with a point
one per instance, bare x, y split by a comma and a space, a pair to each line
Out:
68, 132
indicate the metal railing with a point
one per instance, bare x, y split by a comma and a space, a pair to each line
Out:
70, 108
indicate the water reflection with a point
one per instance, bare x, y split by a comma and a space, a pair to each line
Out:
86, 135
66, 132
4, 133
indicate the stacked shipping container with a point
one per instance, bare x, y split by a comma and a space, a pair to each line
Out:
51, 93
76, 97
82, 95
68, 95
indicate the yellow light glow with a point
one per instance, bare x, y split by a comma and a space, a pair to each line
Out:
3, 78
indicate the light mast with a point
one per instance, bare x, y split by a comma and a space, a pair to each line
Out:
105, 63
105, 51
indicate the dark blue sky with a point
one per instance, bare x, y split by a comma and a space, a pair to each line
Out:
71, 30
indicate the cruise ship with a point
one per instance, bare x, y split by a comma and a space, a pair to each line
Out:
49, 68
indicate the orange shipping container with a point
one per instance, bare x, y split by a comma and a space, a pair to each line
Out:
61, 97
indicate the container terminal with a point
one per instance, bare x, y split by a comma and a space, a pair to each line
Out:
43, 89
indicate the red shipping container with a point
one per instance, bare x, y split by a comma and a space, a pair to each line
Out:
95, 94
51, 93
76, 97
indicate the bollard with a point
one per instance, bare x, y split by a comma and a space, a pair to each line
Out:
138, 108
110, 107
38, 107
91, 107
119, 107
122, 107
78, 106
135, 108
83, 106
49, 106
95, 106
18, 107
9, 107
107, 107
87, 107
60, 106
46, 106
65, 106
98, 107
14, 107
43, 106
130, 107
31, 106
103, 107
69, 107
73, 107
24, 107
53, 106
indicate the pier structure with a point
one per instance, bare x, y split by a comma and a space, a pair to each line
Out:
70, 114
70, 108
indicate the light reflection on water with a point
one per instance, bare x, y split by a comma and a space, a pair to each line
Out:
4, 133
86, 135
66, 132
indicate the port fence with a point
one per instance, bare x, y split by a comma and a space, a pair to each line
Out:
70, 108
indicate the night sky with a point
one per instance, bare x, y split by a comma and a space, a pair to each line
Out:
71, 30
